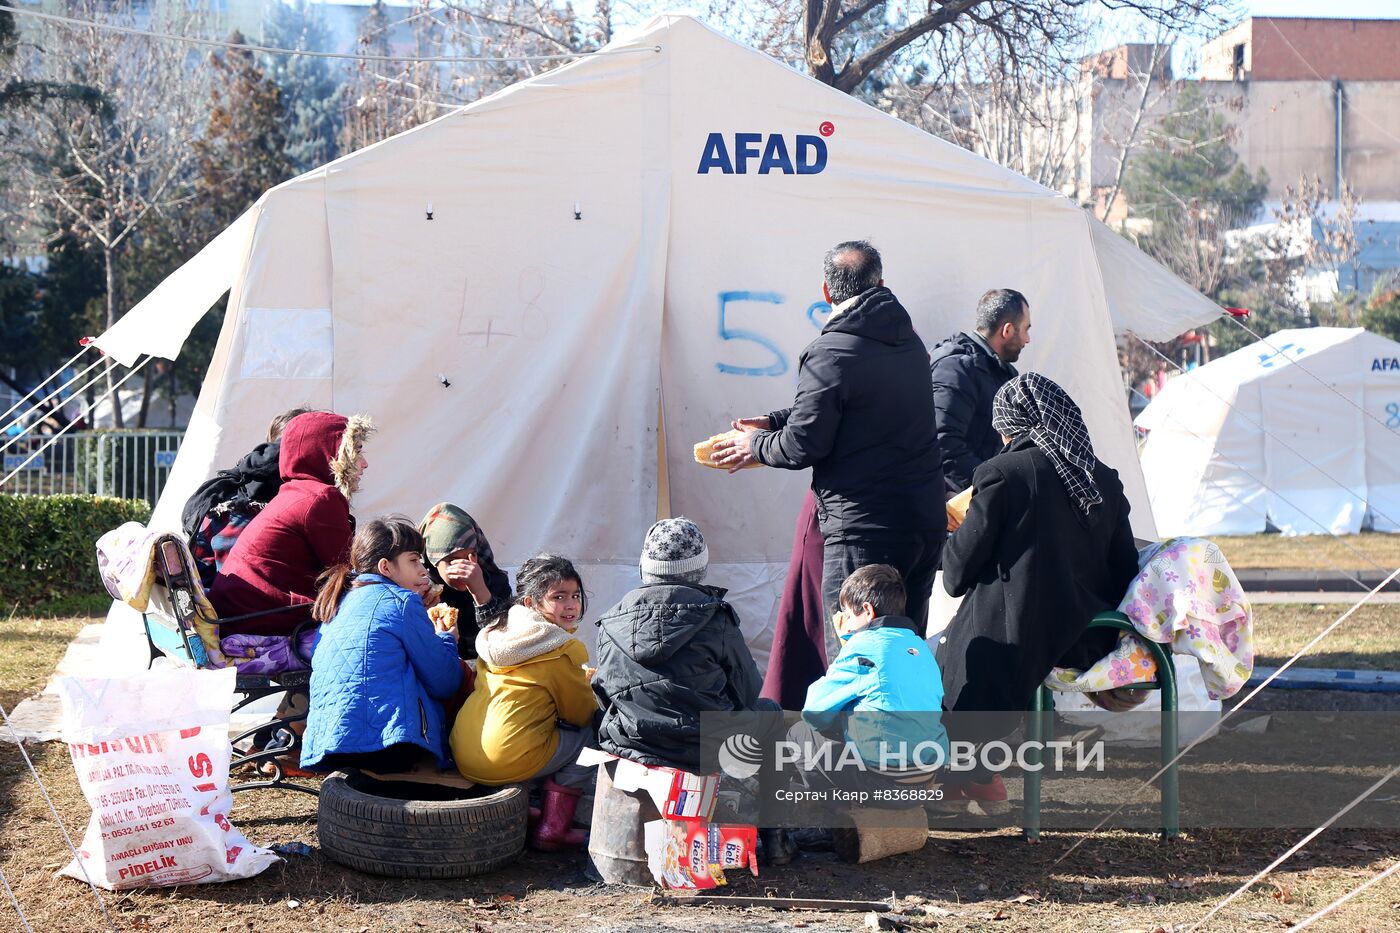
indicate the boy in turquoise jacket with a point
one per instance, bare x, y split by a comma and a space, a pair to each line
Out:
880, 701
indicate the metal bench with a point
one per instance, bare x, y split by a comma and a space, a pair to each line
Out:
1040, 728
169, 621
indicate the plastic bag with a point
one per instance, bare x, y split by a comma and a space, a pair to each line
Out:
152, 757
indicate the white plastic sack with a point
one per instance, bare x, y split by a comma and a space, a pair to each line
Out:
1139, 728
152, 756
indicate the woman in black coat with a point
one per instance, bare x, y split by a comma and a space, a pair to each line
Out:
1045, 546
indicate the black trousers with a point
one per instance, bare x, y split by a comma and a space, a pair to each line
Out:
915, 555
392, 760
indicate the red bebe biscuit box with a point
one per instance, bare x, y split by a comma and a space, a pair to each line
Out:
696, 854
733, 845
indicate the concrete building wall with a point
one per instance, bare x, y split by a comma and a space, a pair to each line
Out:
1228, 57
1287, 128
1133, 58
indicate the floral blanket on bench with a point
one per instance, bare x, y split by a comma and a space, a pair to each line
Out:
1185, 596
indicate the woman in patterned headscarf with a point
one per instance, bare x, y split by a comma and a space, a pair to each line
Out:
1046, 545
460, 560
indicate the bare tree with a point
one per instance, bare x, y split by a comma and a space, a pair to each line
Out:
1148, 90
116, 149
844, 42
1194, 245
388, 97
1031, 121
516, 39
1326, 240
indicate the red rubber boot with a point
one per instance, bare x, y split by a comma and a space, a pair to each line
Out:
555, 829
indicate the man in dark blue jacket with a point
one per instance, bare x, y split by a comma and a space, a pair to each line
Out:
966, 370
862, 421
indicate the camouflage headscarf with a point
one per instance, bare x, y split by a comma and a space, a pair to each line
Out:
447, 528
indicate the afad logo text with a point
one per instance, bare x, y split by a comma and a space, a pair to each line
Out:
765, 153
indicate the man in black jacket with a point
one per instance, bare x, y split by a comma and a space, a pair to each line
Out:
967, 369
863, 422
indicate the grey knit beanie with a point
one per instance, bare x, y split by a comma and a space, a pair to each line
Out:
674, 552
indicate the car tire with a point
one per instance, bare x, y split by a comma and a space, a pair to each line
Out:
363, 824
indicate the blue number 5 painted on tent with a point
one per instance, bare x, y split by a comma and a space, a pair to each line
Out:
780, 361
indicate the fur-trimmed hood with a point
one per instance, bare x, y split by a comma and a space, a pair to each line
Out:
525, 636
325, 447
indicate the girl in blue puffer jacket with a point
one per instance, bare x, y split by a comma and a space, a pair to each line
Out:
381, 669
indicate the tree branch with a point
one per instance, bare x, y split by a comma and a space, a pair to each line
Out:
852, 77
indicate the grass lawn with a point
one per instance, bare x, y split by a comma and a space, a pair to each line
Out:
1312, 552
1368, 640
29, 649
960, 883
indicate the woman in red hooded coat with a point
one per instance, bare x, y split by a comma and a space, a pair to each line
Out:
304, 529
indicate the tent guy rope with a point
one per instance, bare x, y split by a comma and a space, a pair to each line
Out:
1384, 130
70, 425
1296, 848
1310, 374
91, 383
24, 921
1132, 795
349, 56
31, 392
46, 399
19, 743
1311, 919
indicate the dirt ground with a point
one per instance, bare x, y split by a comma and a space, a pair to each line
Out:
963, 880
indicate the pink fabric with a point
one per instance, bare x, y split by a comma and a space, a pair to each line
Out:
798, 658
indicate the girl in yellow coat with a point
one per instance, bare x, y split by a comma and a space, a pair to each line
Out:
532, 711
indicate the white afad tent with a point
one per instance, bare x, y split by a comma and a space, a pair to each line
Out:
1295, 432
530, 293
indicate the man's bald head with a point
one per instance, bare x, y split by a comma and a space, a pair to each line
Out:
851, 268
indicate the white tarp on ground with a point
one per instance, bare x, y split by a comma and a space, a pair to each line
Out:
635, 235
1297, 431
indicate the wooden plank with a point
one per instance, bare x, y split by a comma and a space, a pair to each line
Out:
771, 903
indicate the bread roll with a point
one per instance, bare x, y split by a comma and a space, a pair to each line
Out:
443, 615
705, 451
959, 504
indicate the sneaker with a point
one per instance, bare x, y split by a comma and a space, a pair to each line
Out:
976, 799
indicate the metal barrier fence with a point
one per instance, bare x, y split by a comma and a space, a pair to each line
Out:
125, 464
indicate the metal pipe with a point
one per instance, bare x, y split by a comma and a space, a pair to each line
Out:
1338, 103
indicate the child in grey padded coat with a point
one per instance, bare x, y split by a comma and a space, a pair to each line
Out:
668, 652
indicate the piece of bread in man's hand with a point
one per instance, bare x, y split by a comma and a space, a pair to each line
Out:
705, 451
958, 505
